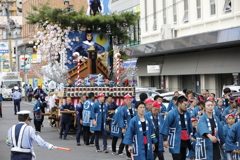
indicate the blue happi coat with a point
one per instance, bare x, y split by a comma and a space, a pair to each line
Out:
204, 127
238, 115
172, 127
171, 106
134, 138
160, 122
195, 111
233, 140
126, 114
225, 131
117, 123
163, 110
86, 112
97, 114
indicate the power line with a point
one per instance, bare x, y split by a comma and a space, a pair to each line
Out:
171, 6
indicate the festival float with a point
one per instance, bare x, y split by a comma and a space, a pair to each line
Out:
79, 47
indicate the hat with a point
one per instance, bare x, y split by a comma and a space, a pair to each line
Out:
82, 78
229, 115
123, 103
91, 79
100, 95
149, 93
106, 79
192, 99
16, 87
24, 112
194, 119
149, 100
238, 102
220, 99
29, 118
201, 99
156, 104
66, 79
128, 96
210, 99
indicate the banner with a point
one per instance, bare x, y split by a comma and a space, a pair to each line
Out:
3, 47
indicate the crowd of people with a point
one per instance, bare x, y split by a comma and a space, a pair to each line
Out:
192, 127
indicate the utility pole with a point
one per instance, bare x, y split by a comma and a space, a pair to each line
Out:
9, 35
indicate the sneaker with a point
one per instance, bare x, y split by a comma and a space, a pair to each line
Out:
42, 125
60, 137
66, 139
91, 145
98, 150
78, 144
114, 153
129, 158
122, 154
105, 151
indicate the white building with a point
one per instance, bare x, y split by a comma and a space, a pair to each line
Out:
195, 44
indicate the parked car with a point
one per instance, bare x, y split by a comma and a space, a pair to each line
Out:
234, 88
161, 91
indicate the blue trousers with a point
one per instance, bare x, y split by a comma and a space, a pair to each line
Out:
18, 156
16, 105
66, 126
104, 135
79, 130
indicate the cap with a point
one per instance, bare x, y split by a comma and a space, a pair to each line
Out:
66, 79
106, 79
229, 115
128, 96
220, 99
210, 99
16, 87
150, 93
123, 103
100, 95
149, 100
91, 79
29, 118
23, 112
192, 99
194, 119
156, 104
201, 99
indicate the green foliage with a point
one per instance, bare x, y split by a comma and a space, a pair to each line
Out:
119, 23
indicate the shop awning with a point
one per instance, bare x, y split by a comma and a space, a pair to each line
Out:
206, 40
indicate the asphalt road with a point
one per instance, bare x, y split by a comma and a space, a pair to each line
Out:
50, 134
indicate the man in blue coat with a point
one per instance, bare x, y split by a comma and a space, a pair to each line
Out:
176, 130
85, 45
92, 83
171, 104
111, 105
128, 112
99, 114
87, 107
140, 136
16, 99
157, 121
79, 109
65, 119
233, 142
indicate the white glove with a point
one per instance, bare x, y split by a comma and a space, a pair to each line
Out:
50, 146
38, 107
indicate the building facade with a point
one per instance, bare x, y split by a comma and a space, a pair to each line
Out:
119, 6
189, 44
8, 43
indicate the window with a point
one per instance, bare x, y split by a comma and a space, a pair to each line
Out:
4, 34
154, 14
174, 11
227, 6
146, 18
185, 17
198, 9
164, 12
212, 7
